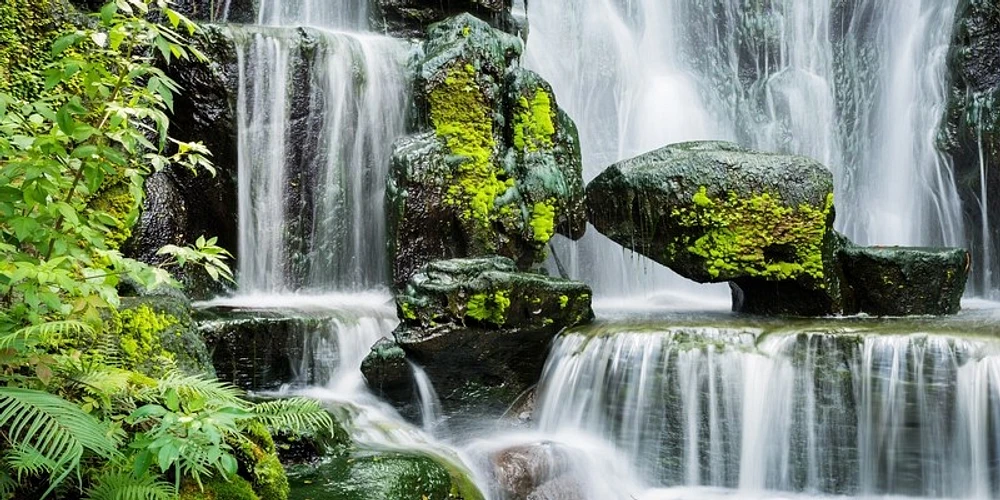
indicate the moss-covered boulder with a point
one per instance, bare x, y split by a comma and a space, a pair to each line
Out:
156, 333
898, 281
481, 329
382, 475
495, 169
716, 212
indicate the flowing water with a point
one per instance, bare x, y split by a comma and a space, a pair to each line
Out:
711, 407
859, 85
318, 113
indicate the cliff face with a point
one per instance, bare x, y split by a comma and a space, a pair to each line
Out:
971, 132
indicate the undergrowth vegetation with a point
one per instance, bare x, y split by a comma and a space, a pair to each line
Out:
75, 421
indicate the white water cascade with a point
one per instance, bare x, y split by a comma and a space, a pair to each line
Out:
318, 112
857, 85
845, 414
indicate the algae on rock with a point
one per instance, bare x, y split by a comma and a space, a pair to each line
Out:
496, 169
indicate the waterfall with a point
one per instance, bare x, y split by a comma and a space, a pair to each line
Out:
318, 113
834, 413
858, 85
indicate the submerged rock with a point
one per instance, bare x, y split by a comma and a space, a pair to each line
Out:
898, 281
481, 329
382, 475
716, 212
521, 471
496, 169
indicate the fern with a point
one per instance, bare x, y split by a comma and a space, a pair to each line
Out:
58, 430
44, 332
26, 461
124, 486
294, 415
214, 392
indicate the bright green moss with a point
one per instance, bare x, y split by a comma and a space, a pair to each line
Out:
533, 125
563, 301
118, 202
257, 457
407, 310
489, 307
140, 340
757, 236
26, 33
236, 488
464, 121
543, 221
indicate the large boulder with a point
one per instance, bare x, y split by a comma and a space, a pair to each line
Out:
897, 281
495, 168
481, 329
716, 212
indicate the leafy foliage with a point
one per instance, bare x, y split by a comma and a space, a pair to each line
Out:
75, 150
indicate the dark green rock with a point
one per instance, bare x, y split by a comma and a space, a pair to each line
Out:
388, 374
715, 212
254, 349
481, 329
381, 475
495, 166
898, 281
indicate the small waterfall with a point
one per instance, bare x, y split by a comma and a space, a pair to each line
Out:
842, 413
430, 404
347, 14
318, 114
860, 85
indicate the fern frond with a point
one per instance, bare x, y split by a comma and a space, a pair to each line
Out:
7, 482
103, 380
44, 332
124, 486
26, 461
293, 415
59, 430
214, 392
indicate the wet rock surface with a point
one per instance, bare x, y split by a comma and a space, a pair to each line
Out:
481, 329
899, 281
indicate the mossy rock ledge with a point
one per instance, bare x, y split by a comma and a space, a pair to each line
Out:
494, 167
718, 212
480, 329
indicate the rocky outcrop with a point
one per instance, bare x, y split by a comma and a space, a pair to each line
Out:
971, 131
182, 205
716, 212
254, 350
410, 18
496, 169
897, 281
481, 329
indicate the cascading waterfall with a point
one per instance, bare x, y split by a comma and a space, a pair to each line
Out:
858, 85
318, 112
841, 413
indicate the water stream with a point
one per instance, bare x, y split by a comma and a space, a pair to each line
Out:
860, 86
699, 405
